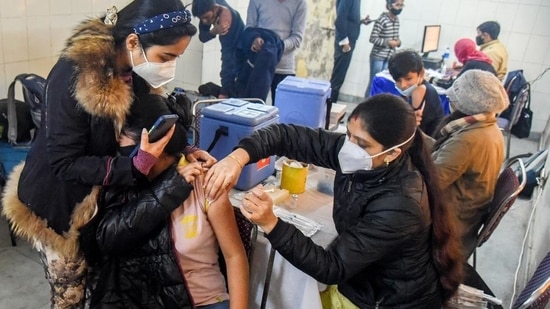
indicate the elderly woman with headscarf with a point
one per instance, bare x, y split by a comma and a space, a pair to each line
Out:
470, 57
469, 149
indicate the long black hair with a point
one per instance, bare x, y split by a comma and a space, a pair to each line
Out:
391, 121
145, 110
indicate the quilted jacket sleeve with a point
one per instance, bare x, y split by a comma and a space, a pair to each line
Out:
126, 223
304, 144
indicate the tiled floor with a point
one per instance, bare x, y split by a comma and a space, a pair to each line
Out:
23, 285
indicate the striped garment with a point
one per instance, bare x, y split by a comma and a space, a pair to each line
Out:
461, 123
384, 29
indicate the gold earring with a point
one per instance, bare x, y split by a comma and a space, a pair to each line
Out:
387, 162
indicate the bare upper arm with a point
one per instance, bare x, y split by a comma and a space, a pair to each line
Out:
221, 216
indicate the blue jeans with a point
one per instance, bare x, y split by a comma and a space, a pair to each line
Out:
376, 66
223, 305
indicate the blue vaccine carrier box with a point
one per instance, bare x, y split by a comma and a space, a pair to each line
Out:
232, 120
302, 101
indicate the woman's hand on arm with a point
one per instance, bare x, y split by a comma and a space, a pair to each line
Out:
191, 171
257, 206
201, 155
222, 217
224, 174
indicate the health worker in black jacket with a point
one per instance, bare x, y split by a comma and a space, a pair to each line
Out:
396, 246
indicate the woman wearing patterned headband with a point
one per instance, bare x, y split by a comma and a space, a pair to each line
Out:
88, 94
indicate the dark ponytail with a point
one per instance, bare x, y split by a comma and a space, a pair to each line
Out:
447, 250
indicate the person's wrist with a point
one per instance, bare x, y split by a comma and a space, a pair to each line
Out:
190, 149
241, 156
241, 164
144, 162
269, 226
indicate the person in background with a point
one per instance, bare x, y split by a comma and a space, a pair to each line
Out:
287, 18
469, 149
385, 39
487, 40
396, 245
217, 18
258, 65
407, 70
471, 58
89, 92
347, 27
162, 236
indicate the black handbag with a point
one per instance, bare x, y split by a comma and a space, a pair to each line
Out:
522, 128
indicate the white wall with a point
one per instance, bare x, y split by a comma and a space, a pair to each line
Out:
32, 33
525, 31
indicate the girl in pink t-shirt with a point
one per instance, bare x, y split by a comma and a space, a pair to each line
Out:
199, 229
160, 239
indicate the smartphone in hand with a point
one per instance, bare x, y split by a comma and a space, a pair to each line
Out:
158, 130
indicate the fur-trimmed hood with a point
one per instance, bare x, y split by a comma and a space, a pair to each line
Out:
97, 89
26, 224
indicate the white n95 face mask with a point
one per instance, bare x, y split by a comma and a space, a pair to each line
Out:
154, 73
353, 158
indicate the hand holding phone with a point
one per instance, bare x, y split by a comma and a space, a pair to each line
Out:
158, 130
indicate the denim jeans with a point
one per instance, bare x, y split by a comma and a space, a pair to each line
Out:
376, 66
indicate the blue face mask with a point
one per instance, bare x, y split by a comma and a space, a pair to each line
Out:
407, 92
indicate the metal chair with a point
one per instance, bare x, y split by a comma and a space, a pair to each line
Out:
518, 103
507, 189
248, 232
536, 293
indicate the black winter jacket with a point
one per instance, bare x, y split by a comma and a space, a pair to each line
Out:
382, 257
433, 111
86, 104
140, 268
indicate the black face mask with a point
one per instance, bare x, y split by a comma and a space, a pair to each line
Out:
126, 150
396, 11
479, 40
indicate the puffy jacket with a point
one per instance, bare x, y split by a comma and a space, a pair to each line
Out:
55, 192
382, 257
469, 162
140, 268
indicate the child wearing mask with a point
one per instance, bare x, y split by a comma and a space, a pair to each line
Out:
407, 69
